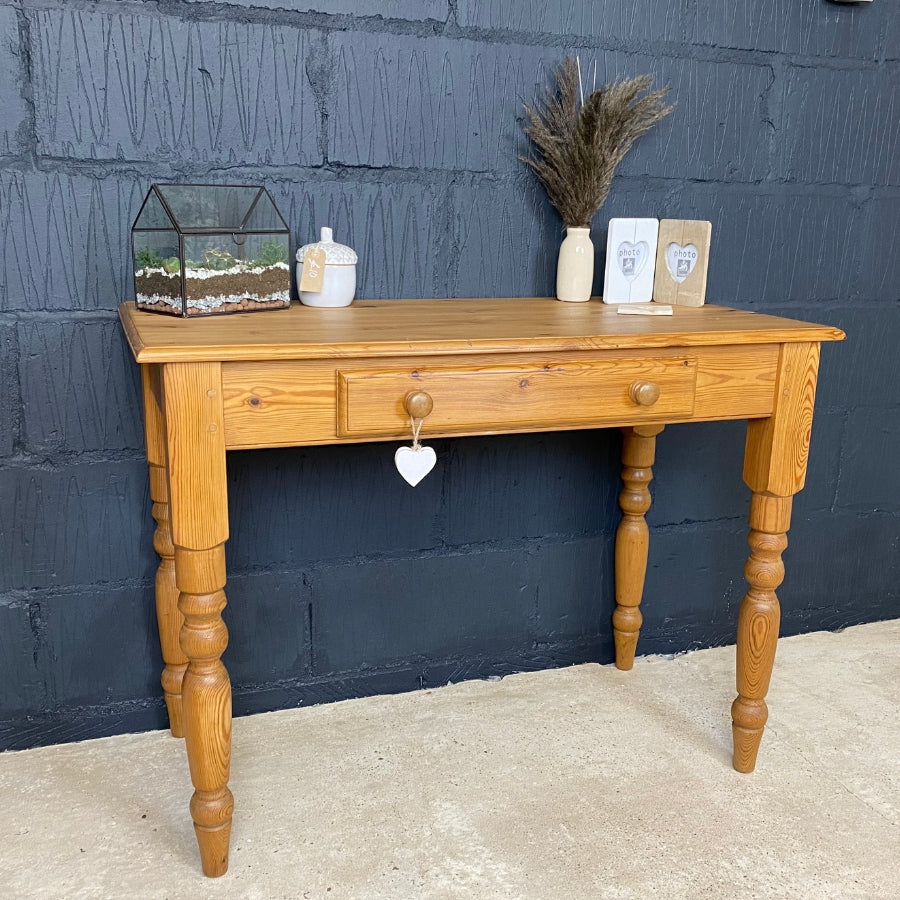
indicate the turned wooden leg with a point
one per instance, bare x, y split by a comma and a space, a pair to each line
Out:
195, 444
632, 539
207, 701
774, 469
758, 621
167, 614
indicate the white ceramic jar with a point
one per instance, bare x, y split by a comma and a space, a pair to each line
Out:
339, 279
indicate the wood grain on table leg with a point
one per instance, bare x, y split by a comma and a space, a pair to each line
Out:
774, 469
207, 701
168, 616
632, 538
758, 622
195, 441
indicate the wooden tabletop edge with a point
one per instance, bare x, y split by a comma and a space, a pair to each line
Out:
249, 353
131, 334
148, 350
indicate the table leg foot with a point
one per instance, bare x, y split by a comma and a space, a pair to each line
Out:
172, 678
625, 638
214, 807
752, 715
758, 622
632, 539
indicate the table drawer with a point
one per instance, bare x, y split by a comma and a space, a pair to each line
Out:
370, 402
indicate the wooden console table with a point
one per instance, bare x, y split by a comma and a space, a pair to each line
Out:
329, 376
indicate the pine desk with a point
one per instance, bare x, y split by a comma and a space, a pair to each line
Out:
329, 376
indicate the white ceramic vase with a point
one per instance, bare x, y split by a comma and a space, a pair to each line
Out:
575, 269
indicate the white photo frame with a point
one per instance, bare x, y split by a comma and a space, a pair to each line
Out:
630, 260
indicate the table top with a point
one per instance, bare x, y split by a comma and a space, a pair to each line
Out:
375, 328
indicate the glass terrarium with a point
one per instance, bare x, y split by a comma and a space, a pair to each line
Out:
201, 249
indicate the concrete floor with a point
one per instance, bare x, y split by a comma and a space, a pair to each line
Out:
584, 782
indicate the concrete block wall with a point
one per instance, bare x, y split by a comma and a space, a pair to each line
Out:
398, 122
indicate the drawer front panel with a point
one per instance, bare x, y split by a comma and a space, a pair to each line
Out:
498, 398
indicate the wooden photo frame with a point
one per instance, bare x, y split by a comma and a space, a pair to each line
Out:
682, 262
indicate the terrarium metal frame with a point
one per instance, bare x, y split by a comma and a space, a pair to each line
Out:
238, 236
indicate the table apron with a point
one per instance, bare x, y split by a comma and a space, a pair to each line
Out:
299, 402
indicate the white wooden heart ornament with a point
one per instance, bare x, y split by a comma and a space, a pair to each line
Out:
414, 463
680, 261
632, 258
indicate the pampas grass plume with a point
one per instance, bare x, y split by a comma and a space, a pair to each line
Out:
579, 145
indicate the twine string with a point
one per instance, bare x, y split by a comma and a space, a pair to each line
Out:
416, 425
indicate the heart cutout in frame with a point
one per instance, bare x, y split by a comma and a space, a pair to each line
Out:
632, 258
680, 261
414, 463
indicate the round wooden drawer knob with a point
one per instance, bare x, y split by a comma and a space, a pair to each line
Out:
418, 404
644, 393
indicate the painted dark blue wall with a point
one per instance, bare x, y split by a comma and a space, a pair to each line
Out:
399, 127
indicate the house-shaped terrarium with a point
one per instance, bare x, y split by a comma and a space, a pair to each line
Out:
201, 249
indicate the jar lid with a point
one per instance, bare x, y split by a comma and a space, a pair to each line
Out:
335, 254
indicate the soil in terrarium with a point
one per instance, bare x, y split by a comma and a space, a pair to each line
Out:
157, 282
218, 284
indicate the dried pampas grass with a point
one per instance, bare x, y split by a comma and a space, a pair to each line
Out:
579, 142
